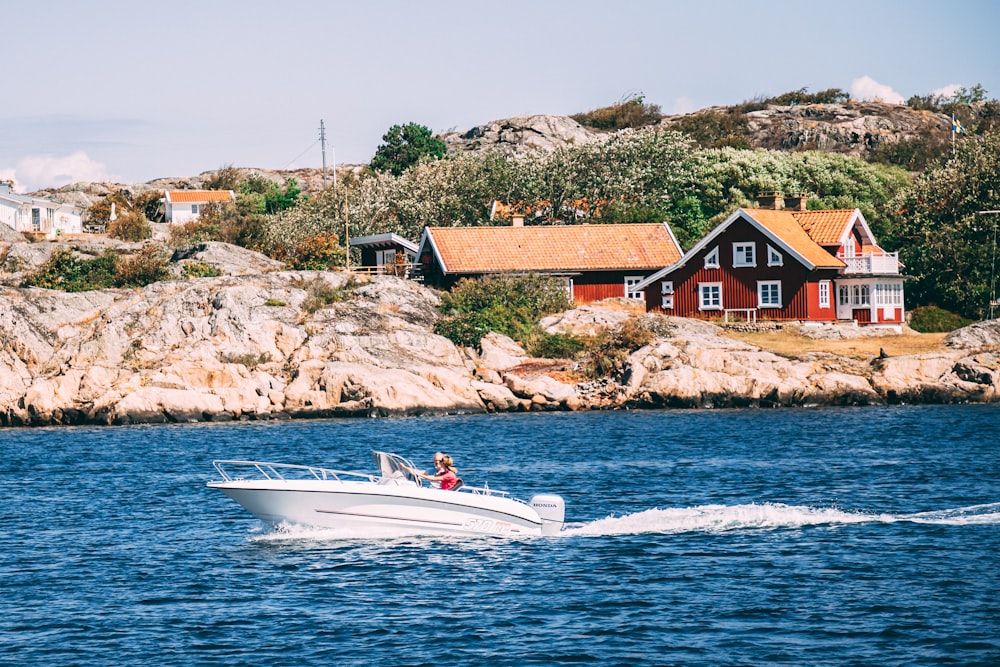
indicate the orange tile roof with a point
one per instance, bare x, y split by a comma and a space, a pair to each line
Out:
554, 248
825, 227
786, 227
188, 196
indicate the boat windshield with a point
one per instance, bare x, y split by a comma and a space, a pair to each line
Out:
394, 466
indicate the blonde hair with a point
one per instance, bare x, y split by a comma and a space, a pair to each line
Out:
447, 463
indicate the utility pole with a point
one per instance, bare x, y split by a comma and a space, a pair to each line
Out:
322, 143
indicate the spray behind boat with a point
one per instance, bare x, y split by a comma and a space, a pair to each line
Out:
552, 511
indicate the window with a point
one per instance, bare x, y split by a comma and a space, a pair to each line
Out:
667, 292
744, 254
710, 296
385, 258
630, 291
888, 294
824, 294
36, 219
712, 258
845, 295
774, 258
194, 209
860, 296
769, 294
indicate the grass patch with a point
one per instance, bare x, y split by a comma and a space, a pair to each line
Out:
791, 344
931, 319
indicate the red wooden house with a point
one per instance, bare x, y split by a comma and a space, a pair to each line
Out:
595, 261
789, 264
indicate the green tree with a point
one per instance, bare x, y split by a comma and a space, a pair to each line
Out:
945, 245
404, 146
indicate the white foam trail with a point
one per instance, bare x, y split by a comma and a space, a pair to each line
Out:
702, 518
287, 532
962, 516
721, 518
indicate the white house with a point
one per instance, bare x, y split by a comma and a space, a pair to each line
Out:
25, 213
182, 206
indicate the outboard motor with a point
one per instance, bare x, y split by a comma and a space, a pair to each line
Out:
552, 511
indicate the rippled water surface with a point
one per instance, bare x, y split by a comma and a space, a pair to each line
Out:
867, 536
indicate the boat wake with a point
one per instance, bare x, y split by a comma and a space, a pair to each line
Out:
722, 518
703, 518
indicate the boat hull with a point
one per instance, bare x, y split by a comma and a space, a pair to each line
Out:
378, 509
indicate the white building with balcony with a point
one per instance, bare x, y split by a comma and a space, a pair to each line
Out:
869, 289
34, 215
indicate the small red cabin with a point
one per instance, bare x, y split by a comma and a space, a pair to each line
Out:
596, 261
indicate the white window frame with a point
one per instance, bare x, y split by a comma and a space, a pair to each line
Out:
744, 254
630, 293
769, 294
774, 258
706, 289
568, 284
824, 294
712, 258
667, 294
844, 294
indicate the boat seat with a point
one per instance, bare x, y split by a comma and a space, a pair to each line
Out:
458, 484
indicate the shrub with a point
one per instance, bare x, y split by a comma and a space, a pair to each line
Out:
612, 349
248, 359
932, 319
716, 129
502, 303
538, 343
148, 266
802, 96
320, 293
200, 270
320, 252
70, 273
633, 112
131, 226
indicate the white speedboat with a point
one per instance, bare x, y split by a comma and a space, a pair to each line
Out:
393, 502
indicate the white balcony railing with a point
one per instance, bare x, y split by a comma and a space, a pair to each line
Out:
872, 263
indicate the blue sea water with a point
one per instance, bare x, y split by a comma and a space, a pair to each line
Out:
848, 536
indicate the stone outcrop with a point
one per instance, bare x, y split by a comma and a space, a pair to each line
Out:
284, 344
522, 135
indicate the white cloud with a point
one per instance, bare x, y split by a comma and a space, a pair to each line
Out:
867, 88
947, 92
49, 171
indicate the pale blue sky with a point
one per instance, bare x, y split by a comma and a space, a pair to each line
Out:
132, 91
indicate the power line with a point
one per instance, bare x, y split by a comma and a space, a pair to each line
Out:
301, 154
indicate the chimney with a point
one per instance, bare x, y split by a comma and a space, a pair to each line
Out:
5, 187
796, 202
517, 221
770, 200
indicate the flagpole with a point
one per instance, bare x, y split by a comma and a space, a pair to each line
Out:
953, 136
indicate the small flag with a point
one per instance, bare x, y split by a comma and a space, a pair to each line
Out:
956, 125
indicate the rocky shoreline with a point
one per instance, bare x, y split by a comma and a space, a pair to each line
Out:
260, 343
